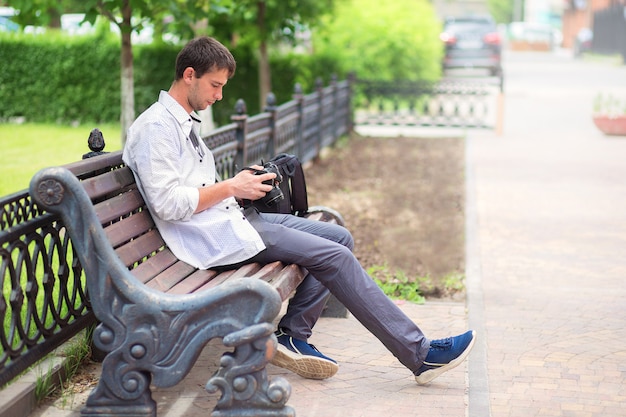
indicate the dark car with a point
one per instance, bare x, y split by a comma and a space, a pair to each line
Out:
472, 42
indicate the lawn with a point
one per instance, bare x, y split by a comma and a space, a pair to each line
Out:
26, 148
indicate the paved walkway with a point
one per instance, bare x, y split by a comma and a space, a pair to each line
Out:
370, 382
549, 256
546, 244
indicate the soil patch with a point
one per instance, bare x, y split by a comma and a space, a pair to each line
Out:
403, 200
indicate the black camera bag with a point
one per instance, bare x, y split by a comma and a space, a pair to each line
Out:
293, 187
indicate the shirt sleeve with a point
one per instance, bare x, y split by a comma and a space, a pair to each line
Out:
157, 159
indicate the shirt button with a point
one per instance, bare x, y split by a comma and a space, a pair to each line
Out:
203, 184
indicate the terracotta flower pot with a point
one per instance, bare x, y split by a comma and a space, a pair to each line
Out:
611, 125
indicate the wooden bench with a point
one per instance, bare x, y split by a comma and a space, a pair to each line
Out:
156, 312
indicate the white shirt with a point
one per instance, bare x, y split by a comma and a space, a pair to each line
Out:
169, 170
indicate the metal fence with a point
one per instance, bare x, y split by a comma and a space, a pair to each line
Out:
44, 301
461, 102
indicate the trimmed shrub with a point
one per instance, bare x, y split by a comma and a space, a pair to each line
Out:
57, 78
76, 79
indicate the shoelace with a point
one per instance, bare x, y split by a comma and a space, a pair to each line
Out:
441, 344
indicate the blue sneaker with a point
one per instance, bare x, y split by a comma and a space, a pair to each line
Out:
443, 355
302, 358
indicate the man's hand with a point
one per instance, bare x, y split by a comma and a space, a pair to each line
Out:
246, 185
249, 186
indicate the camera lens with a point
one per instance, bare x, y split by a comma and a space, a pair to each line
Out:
273, 197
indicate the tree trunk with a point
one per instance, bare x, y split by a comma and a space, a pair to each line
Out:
128, 92
265, 76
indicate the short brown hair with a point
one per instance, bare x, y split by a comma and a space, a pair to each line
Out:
204, 54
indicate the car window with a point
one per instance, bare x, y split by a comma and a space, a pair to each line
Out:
470, 25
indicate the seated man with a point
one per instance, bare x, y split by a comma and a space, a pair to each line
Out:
203, 224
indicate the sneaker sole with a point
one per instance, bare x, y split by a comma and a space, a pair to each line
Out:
427, 376
309, 367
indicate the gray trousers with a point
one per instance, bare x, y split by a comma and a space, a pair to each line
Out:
325, 250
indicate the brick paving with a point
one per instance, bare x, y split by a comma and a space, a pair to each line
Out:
551, 212
370, 382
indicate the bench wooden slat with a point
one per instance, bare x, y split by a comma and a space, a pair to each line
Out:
129, 228
284, 278
216, 280
145, 271
97, 163
247, 270
109, 182
140, 248
241, 272
171, 276
119, 206
193, 282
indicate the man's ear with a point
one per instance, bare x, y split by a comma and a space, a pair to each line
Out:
188, 74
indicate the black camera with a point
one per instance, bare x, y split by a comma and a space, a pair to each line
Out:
275, 194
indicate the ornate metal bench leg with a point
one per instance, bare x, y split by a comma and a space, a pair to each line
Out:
135, 389
242, 378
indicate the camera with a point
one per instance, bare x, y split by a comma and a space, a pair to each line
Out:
275, 194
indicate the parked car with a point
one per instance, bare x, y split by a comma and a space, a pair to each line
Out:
472, 42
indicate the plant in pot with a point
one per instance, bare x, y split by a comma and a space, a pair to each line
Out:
609, 115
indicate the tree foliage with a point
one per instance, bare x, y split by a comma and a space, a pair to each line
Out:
260, 25
383, 40
250, 22
501, 10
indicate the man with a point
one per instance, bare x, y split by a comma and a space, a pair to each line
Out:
202, 223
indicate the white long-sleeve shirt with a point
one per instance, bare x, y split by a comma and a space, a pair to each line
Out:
169, 170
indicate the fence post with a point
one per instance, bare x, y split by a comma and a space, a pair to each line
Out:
298, 96
336, 112
270, 107
241, 119
349, 103
319, 86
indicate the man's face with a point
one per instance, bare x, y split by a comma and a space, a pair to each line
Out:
206, 90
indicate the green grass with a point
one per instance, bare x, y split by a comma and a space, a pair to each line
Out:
76, 352
26, 148
396, 284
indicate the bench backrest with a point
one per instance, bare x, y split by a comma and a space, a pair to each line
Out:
130, 228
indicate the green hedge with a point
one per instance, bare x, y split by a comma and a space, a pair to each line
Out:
76, 79
56, 78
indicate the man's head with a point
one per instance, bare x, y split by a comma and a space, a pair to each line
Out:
204, 54
203, 67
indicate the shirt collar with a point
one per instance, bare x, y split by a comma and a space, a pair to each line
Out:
178, 112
